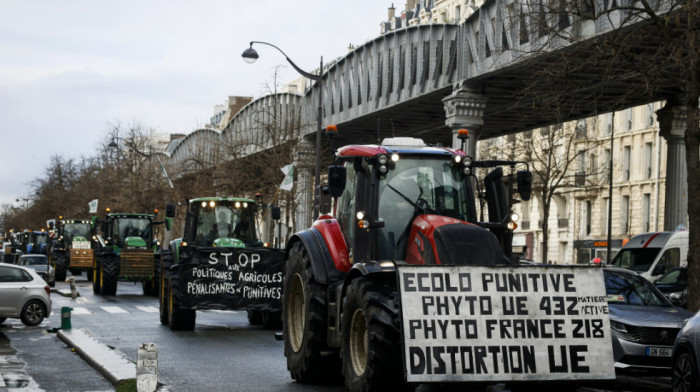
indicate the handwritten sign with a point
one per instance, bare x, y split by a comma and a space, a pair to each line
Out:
468, 323
232, 277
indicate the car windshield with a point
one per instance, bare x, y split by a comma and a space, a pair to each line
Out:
628, 289
35, 261
434, 186
676, 276
636, 259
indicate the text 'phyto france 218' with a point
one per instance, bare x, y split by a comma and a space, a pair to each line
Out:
468, 323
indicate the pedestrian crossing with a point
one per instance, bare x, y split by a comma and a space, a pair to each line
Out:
81, 310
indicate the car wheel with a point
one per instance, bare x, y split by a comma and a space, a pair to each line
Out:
2, 319
33, 313
685, 374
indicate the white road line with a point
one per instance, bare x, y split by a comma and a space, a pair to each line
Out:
79, 310
113, 309
148, 309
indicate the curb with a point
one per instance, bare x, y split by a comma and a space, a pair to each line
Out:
109, 362
3, 387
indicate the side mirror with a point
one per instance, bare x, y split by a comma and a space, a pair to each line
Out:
170, 210
524, 180
336, 180
276, 212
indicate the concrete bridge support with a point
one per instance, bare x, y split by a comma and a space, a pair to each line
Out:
304, 171
464, 109
673, 123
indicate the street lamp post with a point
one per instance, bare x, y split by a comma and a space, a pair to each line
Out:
250, 55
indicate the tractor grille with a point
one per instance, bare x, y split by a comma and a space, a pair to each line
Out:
80, 258
136, 263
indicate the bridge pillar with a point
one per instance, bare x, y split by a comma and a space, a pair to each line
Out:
304, 170
672, 124
464, 109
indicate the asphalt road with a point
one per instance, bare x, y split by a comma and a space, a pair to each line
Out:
223, 353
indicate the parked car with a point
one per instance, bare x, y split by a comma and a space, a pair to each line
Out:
686, 357
23, 295
644, 323
653, 254
674, 285
40, 264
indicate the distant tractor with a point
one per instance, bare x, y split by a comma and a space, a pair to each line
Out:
72, 248
34, 241
125, 250
220, 264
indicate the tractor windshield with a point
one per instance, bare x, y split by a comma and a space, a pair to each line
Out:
417, 186
131, 227
223, 223
72, 230
39, 238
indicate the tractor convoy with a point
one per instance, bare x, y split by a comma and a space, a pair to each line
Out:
220, 264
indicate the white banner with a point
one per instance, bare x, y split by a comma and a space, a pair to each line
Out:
468, 323
93, 206
288, 180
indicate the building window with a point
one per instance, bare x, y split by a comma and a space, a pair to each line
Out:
626, 157
606, 163
628, 118
650, 114
624, 215
647, 160
646, 211
604, 216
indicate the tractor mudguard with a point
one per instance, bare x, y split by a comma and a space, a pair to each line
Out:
324, 269
369, 268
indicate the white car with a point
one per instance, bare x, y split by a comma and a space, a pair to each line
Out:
23, 294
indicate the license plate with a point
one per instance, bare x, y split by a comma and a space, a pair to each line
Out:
659, 351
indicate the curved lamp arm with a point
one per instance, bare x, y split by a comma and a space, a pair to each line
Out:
301, 71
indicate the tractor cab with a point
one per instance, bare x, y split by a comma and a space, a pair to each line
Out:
404, 200
74, 233
129, 231
221, 222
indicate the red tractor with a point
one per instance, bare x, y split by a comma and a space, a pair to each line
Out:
398, 203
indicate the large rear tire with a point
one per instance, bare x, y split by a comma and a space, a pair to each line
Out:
272, 319
60, 266
96, 276
109, 274
304, 317
179, 319
166, 261
254, 317
371, 340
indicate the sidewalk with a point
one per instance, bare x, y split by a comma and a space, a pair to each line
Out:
111, 363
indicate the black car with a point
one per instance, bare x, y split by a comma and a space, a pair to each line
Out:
674, 285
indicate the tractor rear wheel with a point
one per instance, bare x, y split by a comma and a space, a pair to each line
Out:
371, 339
254, 317
96, 276
179, 319
166, 261
109, 275
272, 319
304, 318
60, 267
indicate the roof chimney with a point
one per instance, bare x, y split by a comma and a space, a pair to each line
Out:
392, 12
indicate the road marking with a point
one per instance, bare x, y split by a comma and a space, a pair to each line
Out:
222, 311
79, 310
148, 309
113, 309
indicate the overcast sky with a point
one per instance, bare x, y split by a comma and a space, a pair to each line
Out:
70, 69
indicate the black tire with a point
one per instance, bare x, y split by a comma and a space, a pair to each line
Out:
155, 282
304, 314
149, 288
255, 317
2, 319
179, 319
684, 376
371, 340
33, 313
109, 274
271, 319
88, 275
166, 261
96, 278
60, 266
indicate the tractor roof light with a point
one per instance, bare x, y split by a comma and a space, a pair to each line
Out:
457, 158
331, 131
237, 204
245, 204
463, 134
212, 204
204, 204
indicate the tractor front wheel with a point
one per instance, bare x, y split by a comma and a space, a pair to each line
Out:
371, 340
109, 275
304, 319
179, 319
60, 267
165, 262
96, 277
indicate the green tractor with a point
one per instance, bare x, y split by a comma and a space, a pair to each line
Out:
73, 247
126, 250
220, 264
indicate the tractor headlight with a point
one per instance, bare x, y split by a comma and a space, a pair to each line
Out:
514, 217
466, 170
383, 169
382, 159
360, 215
394, 157
457, 158
467, 160
512, 225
